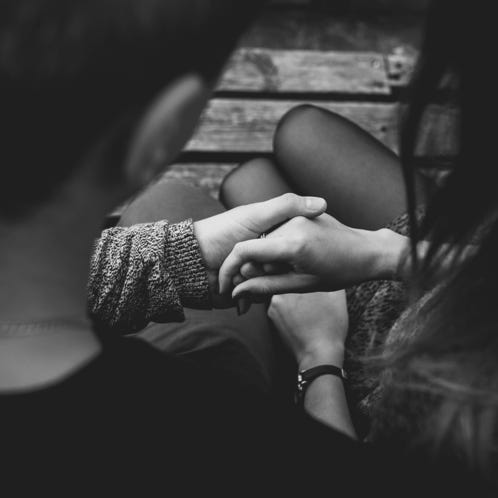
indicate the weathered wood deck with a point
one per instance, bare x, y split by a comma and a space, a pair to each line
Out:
363, 83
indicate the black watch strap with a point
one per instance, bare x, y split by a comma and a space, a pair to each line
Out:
306, 377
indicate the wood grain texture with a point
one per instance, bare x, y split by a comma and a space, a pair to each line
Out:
307, 29
247, 126
206, 176
306, 71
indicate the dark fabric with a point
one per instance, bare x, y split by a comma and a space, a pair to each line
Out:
137, 422
374, 307
222, 339
248, 339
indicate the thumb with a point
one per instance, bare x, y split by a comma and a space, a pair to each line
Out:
268, 214
276, 284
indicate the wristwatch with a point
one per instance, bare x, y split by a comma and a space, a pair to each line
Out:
306, 377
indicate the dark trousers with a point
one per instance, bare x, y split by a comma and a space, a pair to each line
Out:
240, 346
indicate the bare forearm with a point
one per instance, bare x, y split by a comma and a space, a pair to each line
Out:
391, 256
325, 398
325, 401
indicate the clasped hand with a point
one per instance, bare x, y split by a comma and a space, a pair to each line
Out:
309, 251
218, 235
305, 255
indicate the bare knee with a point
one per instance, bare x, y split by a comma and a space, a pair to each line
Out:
242, 185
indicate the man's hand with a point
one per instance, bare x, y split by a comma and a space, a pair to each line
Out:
314, 255
219, 234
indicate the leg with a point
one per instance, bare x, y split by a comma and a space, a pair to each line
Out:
242, 344
171, 200
320, 153
255, 181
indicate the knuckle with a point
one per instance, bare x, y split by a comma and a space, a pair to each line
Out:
267, 291
237, 280
290, 198
238, 249
264, 289
247, 270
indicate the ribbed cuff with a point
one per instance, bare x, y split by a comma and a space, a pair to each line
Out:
188, 271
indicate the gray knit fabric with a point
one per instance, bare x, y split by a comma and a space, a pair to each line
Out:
146, 273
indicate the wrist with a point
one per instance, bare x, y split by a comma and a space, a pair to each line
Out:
331, 355
388, 251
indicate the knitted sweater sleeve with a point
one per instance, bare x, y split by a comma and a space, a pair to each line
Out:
146, 273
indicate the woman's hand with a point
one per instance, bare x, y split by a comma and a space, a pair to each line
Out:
306, 255
218, 235
314, 326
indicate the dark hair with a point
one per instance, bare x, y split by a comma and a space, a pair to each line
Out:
69, 70
442, 368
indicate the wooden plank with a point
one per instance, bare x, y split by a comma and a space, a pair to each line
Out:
306, 71
206, 176
306, 29
209, 176
247, 126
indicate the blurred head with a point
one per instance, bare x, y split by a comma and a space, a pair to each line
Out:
79, 78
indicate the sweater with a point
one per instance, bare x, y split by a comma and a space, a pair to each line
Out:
146, 273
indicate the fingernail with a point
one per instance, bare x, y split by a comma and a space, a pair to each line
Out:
315, 203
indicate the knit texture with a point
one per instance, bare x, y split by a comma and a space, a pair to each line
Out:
374, 308
146, 273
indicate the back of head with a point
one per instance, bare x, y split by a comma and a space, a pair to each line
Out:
70, 70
